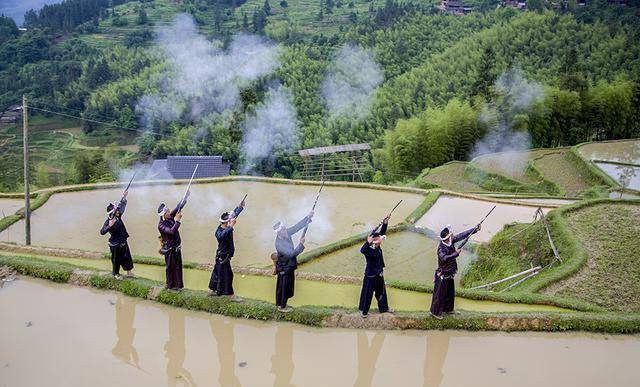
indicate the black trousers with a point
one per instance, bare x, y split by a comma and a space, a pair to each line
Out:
285, 286
221, 280
120, 256
444, 294
173, 262
371, 285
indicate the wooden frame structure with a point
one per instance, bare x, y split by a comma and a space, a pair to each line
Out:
338, 162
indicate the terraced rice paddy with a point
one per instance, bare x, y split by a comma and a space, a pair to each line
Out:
451, 176
463, 213
626, 175
627, 151
73, 220
10, 206
556, 167
308, 292
408, 256
511, 164
143, 343
609, 234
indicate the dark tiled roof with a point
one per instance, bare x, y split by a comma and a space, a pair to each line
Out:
181, 167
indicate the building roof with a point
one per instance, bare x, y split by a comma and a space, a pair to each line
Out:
333, 149
181, 167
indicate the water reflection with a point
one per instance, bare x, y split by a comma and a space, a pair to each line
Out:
125, 315
435, 356
282, 360
175, 351
222, 331
368, 357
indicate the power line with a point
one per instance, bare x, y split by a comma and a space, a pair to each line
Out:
94, 116
98, 122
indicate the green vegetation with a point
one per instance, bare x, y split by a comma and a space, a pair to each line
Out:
438, 70
611, 278
449, 176
595, 239
562, 169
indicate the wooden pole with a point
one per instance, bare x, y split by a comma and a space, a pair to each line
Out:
25, 147
507, 278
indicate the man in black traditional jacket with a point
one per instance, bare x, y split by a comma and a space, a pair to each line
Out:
221, 282
120, 253
373, 281
287, 260
171, 243
444, 290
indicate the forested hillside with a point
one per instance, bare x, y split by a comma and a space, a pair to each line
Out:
433, 89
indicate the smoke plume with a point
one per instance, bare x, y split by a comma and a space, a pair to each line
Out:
514, 96
202, 79
272, 127
351, 79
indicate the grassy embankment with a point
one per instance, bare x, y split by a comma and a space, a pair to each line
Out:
597, 241
323, 316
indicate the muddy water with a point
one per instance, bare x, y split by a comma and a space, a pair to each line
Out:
408, 256
310, 292
10, 206
81, 337
626, 175
74, 219
464, 213
623, 151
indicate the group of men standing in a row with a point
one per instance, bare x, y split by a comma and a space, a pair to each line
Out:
285, 257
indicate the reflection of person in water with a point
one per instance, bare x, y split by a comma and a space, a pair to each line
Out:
223, 333
175, 351
368, 357
125, 314
436, 354
282, 360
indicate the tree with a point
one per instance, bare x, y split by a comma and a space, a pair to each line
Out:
284, 4
485, 76
142, 16
329, 6
266, 7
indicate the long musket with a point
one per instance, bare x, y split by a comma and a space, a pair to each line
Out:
125, 190
242, 201
464, 242
391, 212
184, 197
304, 232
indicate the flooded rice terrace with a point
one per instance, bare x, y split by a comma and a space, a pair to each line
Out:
310, 292
10, 206
626, 175
618, 151
58, 335
408, 256
73, 220
463, 213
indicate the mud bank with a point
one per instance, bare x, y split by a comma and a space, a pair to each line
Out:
101, 339
259, 287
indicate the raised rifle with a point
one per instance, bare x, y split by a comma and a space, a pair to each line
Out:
242, 201
380, 225
304, 232
123, 192
183, 202
464, 242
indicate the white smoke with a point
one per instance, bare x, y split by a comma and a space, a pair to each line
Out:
515, 95
270, 128
351, 79
203, 79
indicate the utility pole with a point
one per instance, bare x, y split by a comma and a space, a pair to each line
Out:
25, 145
